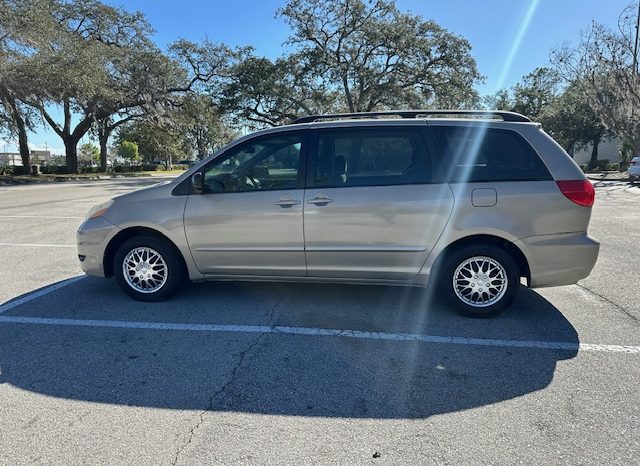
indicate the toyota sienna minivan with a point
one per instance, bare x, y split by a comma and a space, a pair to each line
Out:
476, 202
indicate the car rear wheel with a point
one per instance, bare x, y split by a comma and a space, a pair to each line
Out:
480, 280
147, 268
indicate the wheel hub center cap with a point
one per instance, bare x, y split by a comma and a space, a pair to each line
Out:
480, 281
145, 270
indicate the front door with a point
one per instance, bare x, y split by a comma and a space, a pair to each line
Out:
248, 219
374, 210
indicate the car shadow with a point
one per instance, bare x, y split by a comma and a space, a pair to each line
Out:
70, 350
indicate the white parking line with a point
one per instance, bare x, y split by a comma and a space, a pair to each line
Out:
380, 336
43, 216
38, 245
37, 294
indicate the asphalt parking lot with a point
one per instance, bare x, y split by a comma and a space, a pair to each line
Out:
299, 373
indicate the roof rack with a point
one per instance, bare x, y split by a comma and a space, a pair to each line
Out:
506, 116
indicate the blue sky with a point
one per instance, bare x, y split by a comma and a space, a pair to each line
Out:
509, 37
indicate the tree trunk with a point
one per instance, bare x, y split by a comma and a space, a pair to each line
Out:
10, 103
103, 137
593, 162
347, 94
71, 154
103, 154
23, 144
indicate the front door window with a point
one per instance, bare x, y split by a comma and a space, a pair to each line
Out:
270, 163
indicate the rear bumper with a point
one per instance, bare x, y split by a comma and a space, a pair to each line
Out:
561, 259
92, 239
634, 170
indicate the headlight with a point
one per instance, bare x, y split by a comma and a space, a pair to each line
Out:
99, 210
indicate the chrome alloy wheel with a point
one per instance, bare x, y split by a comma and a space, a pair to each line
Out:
480, 281
144, 270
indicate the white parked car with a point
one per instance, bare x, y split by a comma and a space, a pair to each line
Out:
634, 169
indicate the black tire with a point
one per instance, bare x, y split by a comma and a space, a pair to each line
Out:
174, 269
459, 256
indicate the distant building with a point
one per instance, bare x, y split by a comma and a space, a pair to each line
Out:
10, 158
40, 157
608, 149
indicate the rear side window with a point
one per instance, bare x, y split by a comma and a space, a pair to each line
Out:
477, 154
370, 157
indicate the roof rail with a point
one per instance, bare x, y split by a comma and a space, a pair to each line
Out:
506, 116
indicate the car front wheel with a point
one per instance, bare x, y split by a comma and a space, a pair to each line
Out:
480, 280
147, 268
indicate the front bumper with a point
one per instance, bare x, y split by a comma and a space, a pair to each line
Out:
562, 259
92, 239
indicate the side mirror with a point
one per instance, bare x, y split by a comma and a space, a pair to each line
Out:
197, 183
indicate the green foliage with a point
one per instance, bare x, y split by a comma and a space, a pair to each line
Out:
351, 55
6, 170
99, 65
200, 123
565, 114
155, 140
501, 100
129, 150
379, 57
571, 120
89, 153
264, 92
537, 90
530, 97
627, 152
54, 169
603, 65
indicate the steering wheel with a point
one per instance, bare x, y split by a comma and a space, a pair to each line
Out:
246, 181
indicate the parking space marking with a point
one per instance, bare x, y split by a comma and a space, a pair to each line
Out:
309, 331
76, 217
38, 245
37, 294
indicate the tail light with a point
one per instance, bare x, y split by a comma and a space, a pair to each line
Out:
634, 163
580, 192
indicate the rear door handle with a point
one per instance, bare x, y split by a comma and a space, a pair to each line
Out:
320, 200
287, 202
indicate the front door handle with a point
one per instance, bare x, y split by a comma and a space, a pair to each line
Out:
287, 202
320, 200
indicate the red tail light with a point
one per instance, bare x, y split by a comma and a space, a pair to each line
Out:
579, 191
633, 163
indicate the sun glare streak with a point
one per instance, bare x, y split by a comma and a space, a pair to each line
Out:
466, 157
517, 42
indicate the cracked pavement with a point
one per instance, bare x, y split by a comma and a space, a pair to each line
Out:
84, 394
231, 380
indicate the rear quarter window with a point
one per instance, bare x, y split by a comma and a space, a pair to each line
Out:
479, 154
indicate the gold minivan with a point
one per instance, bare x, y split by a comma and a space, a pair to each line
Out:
478, 200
